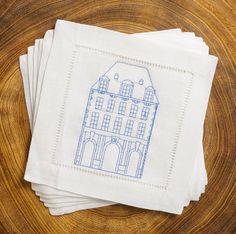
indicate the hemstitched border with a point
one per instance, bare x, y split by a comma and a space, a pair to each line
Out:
180, 120
111, 176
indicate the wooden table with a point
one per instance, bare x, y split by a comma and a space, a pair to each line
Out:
24, 21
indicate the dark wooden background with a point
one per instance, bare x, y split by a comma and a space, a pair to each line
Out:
23, 21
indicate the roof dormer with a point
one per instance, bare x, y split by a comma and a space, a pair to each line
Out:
103, 84
149, 94
126, 88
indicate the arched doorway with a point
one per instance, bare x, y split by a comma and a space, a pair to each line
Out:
111, 157
87, 153
133, 163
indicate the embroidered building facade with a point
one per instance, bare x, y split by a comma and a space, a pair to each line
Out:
118, 121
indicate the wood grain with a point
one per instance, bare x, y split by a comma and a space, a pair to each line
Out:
21, 22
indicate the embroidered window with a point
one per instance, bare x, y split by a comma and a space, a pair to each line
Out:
144, 113
117, 125
99, 102
126, 88
106, 122
94, 120
129, 127
122, 108
103, 84
110, 105
141, 130
116, 76
133, 111
149, 94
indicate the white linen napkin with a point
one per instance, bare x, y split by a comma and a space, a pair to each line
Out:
131, 51
143, 35
40, 104
67, 203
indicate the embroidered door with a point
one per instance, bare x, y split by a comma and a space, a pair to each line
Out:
87, 153
111, 157
133, 163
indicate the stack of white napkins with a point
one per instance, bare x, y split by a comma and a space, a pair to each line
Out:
116, 118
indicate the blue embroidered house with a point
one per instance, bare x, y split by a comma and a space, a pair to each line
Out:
118, 121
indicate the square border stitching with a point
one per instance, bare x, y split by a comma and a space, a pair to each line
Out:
139, 61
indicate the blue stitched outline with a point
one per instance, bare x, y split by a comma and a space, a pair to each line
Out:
146, 63
127, 141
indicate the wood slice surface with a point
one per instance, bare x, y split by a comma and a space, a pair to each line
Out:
23, 21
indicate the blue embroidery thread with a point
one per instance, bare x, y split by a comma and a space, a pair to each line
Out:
118, 121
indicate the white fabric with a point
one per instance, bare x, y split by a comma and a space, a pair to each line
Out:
162, 33
34, 95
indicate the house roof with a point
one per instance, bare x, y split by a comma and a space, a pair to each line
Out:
136, 75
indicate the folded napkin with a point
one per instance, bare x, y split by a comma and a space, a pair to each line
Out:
112, 117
